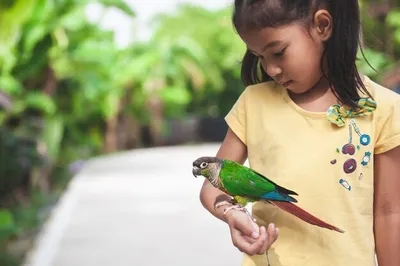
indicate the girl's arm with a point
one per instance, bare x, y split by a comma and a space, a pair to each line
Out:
246, 235
232, 148
387, 207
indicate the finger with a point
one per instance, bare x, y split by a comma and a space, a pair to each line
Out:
259, 246
244, 239
276, 233
271, 232
266, 242
238, 239
250, 248
249, 239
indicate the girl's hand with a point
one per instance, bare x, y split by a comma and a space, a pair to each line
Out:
247, 236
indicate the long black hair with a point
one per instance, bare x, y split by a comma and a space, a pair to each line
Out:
340, 50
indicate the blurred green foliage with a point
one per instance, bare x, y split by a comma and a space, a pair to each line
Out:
67, 92
381, 27
212, 31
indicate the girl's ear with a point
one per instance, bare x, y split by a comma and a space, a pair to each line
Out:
323, 24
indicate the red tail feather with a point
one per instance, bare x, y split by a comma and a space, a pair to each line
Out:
305, 216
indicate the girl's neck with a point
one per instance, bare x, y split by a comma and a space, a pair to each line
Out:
316, 99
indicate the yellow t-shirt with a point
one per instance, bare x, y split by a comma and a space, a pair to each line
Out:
330, 167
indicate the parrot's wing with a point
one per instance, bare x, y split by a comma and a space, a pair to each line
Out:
239, 180
282, 189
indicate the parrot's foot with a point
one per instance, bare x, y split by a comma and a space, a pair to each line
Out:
239, 208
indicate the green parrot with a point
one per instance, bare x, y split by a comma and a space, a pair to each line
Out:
246, 185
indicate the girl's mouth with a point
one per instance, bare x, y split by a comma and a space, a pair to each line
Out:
287, 83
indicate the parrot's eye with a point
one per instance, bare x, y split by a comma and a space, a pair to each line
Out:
203, 165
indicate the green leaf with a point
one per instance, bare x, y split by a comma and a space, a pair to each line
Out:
175, 95
61, 63
10, 85
32, 36
376, 59
53, 135
75, 19
38, 26
109, 106
8, 57
41, 102
3, 116
89, 52
396, 36
13, 17
120, 4
7, 224
6, 219
141, 65
393, 18
11, 20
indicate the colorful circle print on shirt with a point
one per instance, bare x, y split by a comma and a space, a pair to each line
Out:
338, 115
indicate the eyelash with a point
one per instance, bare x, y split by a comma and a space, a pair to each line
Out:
280, 54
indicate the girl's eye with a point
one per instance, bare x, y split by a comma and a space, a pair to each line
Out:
281, 53
203, 165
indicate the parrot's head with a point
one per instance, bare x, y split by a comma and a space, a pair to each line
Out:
209, 167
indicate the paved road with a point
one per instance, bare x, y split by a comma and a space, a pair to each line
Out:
139, 208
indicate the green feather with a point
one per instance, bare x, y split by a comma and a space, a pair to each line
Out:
239, 180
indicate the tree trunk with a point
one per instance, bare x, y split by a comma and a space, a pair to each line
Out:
156, 125
50, 86
41, 177
110, 136
127, 132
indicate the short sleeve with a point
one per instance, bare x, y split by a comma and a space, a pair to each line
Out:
388, 130
236, 118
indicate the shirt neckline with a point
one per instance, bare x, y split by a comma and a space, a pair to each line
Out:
304, 112
297, 108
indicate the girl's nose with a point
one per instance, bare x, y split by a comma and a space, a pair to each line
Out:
273, 70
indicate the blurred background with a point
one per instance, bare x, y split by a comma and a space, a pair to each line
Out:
81, 78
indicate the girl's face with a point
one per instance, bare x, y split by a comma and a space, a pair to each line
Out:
289, 54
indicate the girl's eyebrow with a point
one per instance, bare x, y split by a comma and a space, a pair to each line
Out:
271, 44
268, 45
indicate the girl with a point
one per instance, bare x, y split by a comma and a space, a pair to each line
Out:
309, 121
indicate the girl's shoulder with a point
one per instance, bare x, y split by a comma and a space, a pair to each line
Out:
264, 90
386, 116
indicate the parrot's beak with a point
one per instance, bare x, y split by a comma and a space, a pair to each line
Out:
196, 171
